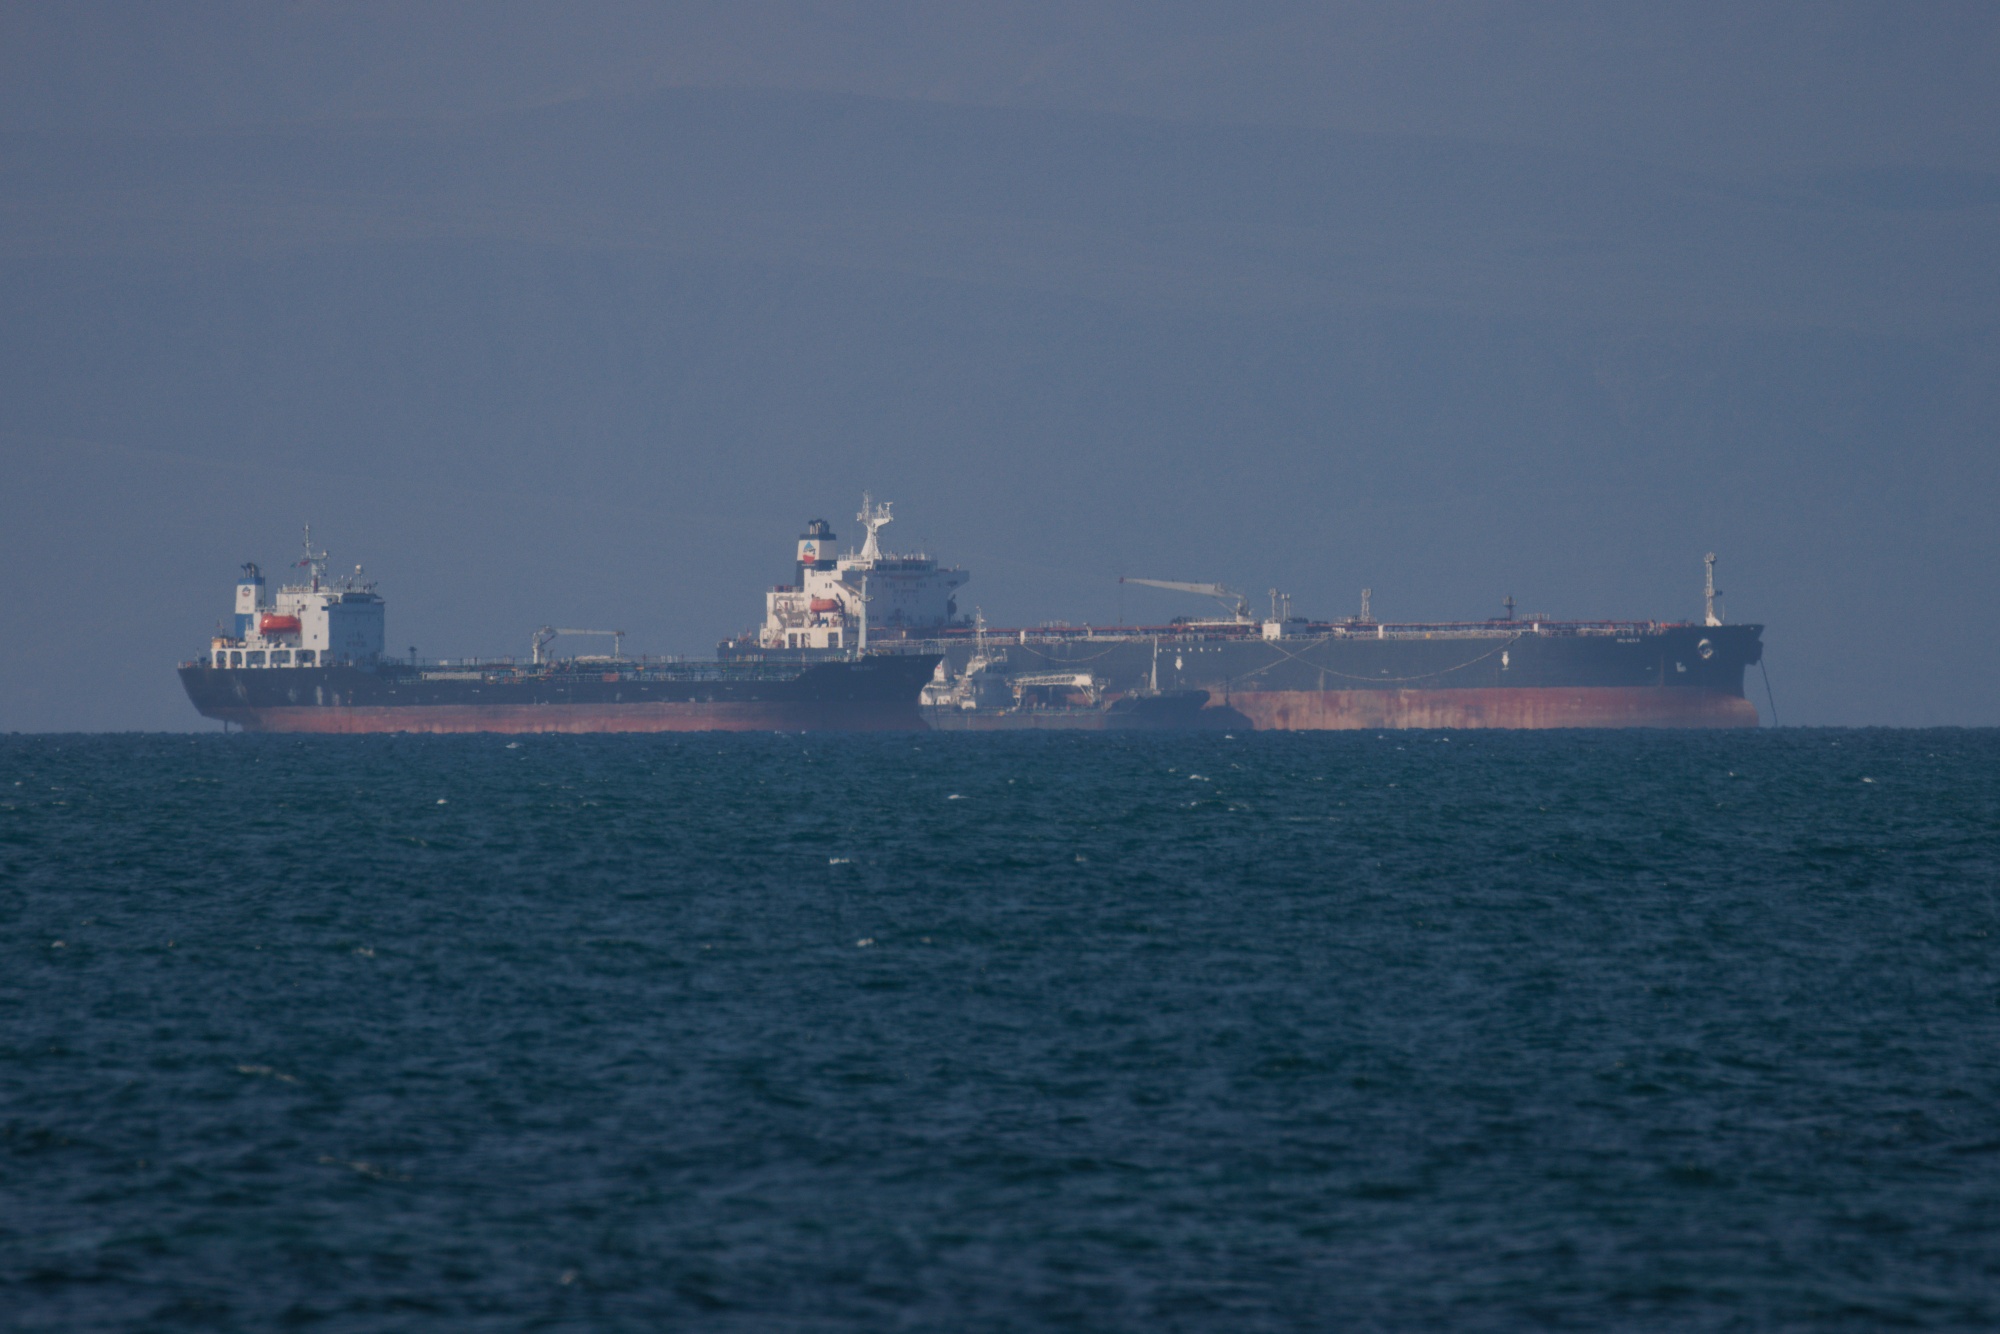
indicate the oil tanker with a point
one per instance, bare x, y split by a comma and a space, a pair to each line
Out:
1239, 670
311, 659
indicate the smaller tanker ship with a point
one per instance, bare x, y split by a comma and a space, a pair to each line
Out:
310, 658
1239, 670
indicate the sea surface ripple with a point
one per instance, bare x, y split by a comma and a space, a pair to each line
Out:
1116, 1032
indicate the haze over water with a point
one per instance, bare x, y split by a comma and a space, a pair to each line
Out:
1471, 1031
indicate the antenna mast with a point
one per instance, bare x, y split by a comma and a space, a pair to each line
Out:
314, 562
872, 517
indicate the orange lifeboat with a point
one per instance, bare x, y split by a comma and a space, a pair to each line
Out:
820, 605
273, 624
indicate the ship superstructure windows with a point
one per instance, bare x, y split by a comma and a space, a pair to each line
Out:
313, 623
276, 657
836, 596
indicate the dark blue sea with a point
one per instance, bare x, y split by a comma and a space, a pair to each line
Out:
1117, 1032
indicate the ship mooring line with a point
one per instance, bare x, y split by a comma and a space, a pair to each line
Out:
1765, 669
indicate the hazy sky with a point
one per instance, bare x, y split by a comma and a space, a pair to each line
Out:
575, 313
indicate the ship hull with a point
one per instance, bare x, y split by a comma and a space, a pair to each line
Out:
875, 694
1496, 676
1542, 707
527, 718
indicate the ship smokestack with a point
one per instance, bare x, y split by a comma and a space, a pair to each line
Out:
249, 599
815, 550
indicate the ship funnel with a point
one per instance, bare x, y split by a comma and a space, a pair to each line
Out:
249, 598
816, 546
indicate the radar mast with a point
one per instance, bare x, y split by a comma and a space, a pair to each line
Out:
313, 562
873, 517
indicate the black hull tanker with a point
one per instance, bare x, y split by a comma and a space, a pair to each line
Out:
310, 659
1278, 672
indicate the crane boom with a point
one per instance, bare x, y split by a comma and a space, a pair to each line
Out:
1228, 597
1206, 590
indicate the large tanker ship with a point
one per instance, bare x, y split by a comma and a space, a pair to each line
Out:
1280, 671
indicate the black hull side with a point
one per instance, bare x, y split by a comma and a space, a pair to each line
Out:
871, 694
1672, 658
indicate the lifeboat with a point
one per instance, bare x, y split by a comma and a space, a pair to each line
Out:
822, 605
273, 624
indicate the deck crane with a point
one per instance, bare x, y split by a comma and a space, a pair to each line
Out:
544, 636
1231, 600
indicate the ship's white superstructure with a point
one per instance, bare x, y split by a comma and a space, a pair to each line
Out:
318, 623
837, 601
